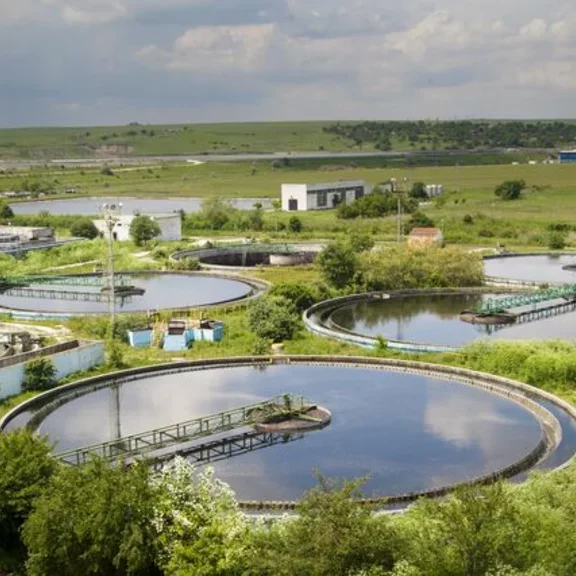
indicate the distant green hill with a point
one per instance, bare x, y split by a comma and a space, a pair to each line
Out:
163, 140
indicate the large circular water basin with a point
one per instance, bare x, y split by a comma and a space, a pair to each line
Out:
405, 432
434, 319
541, 269
160, 291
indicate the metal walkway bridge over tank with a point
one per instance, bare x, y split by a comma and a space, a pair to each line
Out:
145, 443
46, 287
562, 294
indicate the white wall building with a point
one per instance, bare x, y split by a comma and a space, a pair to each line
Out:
170, 227
301, 197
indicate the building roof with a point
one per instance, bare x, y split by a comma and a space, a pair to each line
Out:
339, 184
425, 232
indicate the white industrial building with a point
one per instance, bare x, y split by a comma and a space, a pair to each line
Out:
170, 227
301, 197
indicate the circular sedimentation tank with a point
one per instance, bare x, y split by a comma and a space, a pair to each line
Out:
411, 428
429, 320
251, 255
149, 291
531, 269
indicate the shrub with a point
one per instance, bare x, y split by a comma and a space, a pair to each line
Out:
295, 225
338, 264
143, 229
510, 190
273, 318
556, 241
39, 375
84, 228
418, 190
418, 220
468, 219
5, 210
302, 296
260, 347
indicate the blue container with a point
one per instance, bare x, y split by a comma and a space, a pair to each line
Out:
140, 338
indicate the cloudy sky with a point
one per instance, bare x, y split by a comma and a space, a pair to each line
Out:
116, 61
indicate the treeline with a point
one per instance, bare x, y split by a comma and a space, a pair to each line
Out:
462, 135
102, 518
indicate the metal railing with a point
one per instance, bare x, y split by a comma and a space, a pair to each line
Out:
135, 445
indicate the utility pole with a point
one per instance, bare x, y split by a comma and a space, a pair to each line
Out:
111, 214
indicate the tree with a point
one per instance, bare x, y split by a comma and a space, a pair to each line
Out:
26, 466
84, 228
295, 224
510, 190
5, 210
474, 533
360, 241
332, 536
93, 519
418, 190
273, 318
338, 264
143, 229
216, 212
199, 526
256, 217
39, 374
302, 296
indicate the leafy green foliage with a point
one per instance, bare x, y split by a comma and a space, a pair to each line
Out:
338, 264
401, 268
332, 536
200, 528
510, 190
556, 241
143, 229
39, 375
84, 228
295, 224
376, 205
273, 318
302, 296
93, 519
418, 190
26, 466
418, 220
114, 354
5, 210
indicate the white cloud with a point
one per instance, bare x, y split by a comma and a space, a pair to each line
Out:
93, 12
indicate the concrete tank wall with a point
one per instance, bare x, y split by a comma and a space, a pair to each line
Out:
82, 357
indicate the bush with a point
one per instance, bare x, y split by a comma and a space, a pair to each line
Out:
302, 296
418, 190
556, 241
143, 229
84, 228
273, 318
5, 210
295, 225
260, 347
418, 220
338, 264
402, 268
510, 190
468, 219
39, 375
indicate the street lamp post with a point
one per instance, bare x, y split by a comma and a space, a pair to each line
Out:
111, 214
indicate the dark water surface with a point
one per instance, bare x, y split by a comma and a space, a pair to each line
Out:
406, 432
162, 291
91, 206
436, 320
544, 268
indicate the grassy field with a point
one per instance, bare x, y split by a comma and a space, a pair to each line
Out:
550, 195
146, 140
